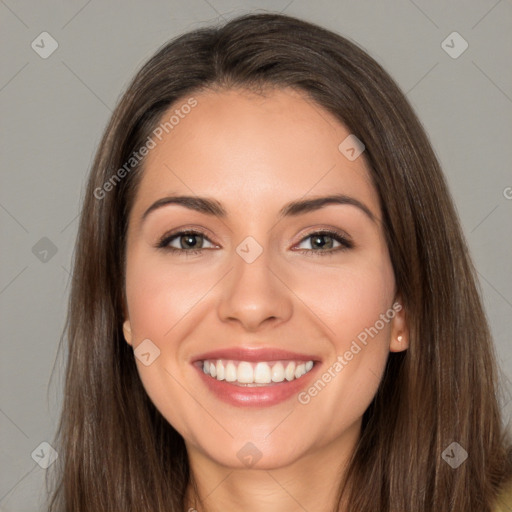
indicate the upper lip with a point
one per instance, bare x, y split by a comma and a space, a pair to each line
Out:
254, 355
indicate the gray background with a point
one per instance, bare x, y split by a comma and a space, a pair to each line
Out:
55, 109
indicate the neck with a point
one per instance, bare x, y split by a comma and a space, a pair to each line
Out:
311, 482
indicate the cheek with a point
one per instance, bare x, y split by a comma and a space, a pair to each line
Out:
354, 302
348, 298
160, 295
358, 314
362, 298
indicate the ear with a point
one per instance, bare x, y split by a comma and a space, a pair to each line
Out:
127, 331
399, 328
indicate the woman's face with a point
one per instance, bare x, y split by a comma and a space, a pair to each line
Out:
258, 294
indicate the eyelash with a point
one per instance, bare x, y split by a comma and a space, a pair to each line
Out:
345, 243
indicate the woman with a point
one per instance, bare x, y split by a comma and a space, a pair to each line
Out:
273, 306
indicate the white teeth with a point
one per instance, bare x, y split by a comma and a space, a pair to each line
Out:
278, 372
289, 373
220, 371
230, 372
260, 373
299, 371
245, 374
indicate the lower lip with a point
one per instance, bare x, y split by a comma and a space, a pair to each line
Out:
257, 396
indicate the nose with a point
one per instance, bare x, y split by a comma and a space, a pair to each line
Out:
255, 295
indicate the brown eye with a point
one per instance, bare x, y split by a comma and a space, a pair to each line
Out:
323, 242
184, 241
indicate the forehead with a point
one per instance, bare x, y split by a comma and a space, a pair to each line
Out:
242, 147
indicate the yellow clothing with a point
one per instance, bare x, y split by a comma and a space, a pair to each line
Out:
504, 503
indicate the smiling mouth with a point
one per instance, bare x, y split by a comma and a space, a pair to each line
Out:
254, 374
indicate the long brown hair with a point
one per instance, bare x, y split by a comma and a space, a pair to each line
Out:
117, 452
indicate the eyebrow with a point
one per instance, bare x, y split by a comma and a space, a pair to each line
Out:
292, 209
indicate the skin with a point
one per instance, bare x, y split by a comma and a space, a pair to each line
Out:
254, 154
